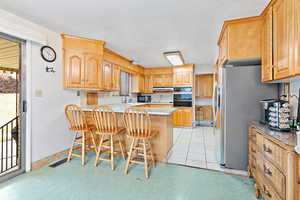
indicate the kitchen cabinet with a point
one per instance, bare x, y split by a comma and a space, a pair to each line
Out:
115, 78
183, 76
107, 75
92, 98
204, 112
82, 62
162, 80
204, 86
272, 164
148, 84
282, 30
240, 39
280, 40
267, 47
137, 83
183, 117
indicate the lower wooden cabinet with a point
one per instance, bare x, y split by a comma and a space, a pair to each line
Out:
274, 167
183, 117
204, 112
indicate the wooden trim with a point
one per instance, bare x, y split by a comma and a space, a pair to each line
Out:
233, 21
49, 159
64, 36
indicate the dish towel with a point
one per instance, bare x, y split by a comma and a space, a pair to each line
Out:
297, 148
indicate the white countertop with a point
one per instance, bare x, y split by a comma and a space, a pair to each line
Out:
120, 108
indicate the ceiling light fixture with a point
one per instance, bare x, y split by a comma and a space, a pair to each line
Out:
174, 57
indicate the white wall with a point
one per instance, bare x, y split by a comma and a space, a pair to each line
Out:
203, 69
47, 131
49, 125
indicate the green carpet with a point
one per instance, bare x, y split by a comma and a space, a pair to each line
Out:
71, 181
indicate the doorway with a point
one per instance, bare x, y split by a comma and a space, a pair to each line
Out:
12, 107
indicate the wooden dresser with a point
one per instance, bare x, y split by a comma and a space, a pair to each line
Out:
274, 164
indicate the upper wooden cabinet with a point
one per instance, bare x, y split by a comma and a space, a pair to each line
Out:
148, 84
115, 78
107, 75
240, 39
161, 76
282, 33
138, 83
204, 86
297, 39
183, 76
82, 62
267, 46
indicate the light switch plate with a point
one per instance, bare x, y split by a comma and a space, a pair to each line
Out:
38, 93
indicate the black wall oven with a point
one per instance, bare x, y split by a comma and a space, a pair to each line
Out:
182, 97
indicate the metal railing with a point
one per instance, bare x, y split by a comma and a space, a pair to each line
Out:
9, 145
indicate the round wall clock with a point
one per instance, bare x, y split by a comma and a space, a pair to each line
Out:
48, 53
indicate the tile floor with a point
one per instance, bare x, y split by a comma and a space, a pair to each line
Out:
71, 181
197, 147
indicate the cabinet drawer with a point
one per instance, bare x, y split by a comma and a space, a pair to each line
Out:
253, 148
275, 177
259, 142
274, 153
269, 193
252, 135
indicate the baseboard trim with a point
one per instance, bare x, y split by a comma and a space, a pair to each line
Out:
49, 159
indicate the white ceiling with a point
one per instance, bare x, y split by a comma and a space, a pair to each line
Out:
141, 29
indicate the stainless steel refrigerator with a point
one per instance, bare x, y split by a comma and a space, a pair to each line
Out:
238, 95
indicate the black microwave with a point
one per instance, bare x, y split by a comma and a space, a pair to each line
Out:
143, 98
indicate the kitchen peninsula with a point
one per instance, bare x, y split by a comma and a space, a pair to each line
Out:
161, 121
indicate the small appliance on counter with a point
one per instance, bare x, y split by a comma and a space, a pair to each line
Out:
265, 104
144, 98
279, 116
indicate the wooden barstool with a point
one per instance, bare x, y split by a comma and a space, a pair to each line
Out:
138, 128
78, 124
107, 126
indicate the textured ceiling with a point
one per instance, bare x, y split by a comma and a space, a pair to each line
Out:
141, 29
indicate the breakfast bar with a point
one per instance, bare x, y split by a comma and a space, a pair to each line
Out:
161, 121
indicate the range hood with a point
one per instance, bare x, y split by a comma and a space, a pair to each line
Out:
163, 89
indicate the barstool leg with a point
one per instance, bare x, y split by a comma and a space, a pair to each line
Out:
99, 150
121, 148
83, 148
129, 156
145, 159
94, 142
151, 153
112, 153
71, 148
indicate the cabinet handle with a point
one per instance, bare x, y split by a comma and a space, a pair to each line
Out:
267, 149
267, 192
267, 171
253, 150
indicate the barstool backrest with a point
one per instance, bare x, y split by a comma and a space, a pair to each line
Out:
76, 117
104, 119
137, 122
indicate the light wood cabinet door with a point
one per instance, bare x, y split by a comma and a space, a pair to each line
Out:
116, 78
183, 117
183, 76
223, 48
297, 38
148, 84
107, 76
137, 83
267, 47
92, 72
204, 112
74, 69
163, 80
204, 86
282, 17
